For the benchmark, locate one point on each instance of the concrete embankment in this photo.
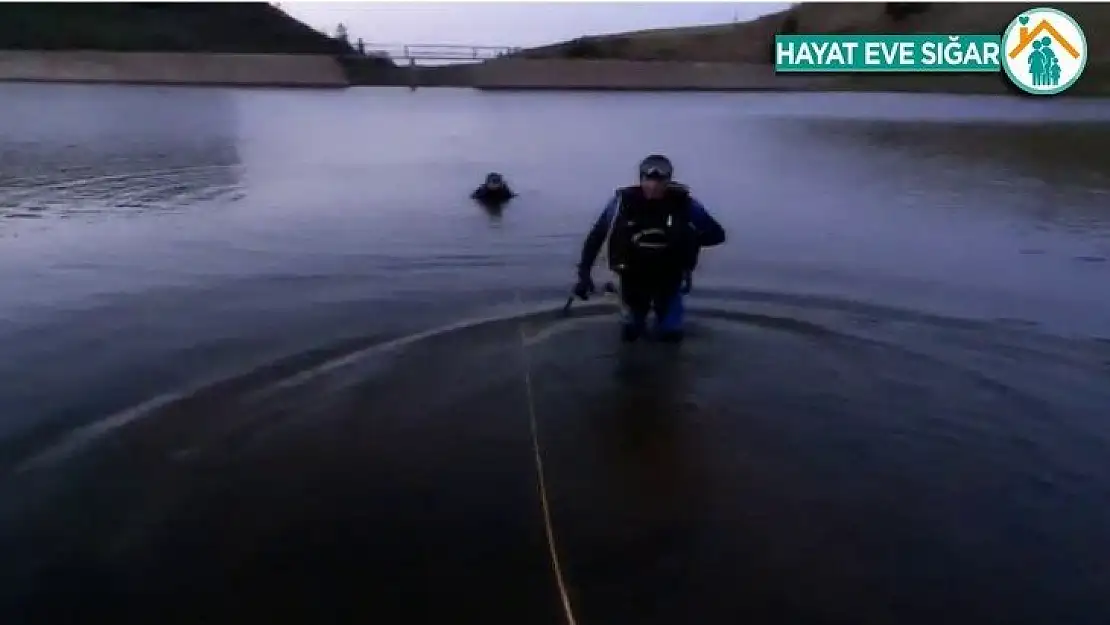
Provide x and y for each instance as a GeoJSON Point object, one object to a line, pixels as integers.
{"type": "Point", "coordinates": [636, 76]}
{"type": "Point", "coordinates": [620, 75]}
{"type": "Point", "coordinates": [172, 68]}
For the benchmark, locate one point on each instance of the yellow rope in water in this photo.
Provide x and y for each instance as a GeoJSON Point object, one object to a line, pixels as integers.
{"type": "Point", "coordinates": [564, 596]}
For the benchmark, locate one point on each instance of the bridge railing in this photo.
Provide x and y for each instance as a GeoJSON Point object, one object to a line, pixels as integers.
{"type": "Point", "coordinates": [436, 52]}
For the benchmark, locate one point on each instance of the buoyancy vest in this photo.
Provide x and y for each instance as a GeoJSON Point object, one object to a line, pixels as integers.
{"type": "Point", "coordinates": [655, 234]}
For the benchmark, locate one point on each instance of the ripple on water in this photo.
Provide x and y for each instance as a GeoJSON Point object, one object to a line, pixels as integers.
{"type": "Point", "coordinates": [137, 191]}
{"type": "Point", "coordinates": [826, 465]}
{"type": "Point", "coordinates": [118, 172]}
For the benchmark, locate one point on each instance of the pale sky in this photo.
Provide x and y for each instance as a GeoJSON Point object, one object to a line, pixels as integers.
{"type": "Point", "coordinates": [511, 23]}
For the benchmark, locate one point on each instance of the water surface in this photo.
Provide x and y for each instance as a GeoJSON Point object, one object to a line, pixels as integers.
{"type": "Point", "coordinates": [263, 360]}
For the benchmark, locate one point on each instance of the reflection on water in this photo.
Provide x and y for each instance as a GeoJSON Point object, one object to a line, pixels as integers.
{"type": "Point", "coordinates": [1057, 173]}
{"type": "Point", "coordinates": [291, 381]}
{"type": "Point", "coordinates": [118, 151]}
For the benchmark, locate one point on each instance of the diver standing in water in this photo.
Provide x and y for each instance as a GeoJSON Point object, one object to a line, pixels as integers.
{"type": "Point", "coordinates": [655, 232]}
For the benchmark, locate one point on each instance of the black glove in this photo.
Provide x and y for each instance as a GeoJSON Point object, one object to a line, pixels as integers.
{"type": "Point", "coordinates": [584, 287]}
{"type": "Point", "coordinates": [687, 283]}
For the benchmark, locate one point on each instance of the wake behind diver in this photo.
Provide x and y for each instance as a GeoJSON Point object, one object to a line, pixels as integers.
{"type": "Point", "coordinates": [655, 232]}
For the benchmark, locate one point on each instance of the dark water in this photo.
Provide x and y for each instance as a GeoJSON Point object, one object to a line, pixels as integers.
{"type": "Point", "coordinates": [263, 361]}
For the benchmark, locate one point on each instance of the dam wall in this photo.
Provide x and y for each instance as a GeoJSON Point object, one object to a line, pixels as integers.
{"type": "Point", "coordinates": [323, 71]}
{"type": "Point", "coordinates": [173, 68]}
{"type": "Point", "coordinates": [622, 75]}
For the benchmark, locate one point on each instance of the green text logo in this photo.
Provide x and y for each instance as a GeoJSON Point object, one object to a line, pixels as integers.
{"type": "Point", "coordinates": [887, 53]}
{"type": "Point", "coordinates": [1043, 52]}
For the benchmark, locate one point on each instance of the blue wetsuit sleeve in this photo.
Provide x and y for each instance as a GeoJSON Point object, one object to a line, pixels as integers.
{"type": "Point", "coordinates": [710, 232]}
{"type": "Point", "coordinates": [596, 238]}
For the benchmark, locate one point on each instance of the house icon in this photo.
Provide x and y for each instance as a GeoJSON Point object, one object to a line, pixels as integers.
{"type": "Point", "coordinates": [1033, 62]}
{"type": "Point", "coordinates": [1026, 37]}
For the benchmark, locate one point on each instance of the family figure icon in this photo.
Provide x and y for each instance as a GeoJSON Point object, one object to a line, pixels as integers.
{"type": "Point", "coordinates": [1046, 51]}
{"type": "Point", "coordinates": [1044, 67]}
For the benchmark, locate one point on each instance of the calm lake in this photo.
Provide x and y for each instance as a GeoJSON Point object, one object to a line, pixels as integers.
{"type": "Point", "coordinates": [264, 361]}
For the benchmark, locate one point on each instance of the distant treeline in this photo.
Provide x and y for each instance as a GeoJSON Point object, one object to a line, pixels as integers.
{"type": "Point", "coordinates": [249, 27]}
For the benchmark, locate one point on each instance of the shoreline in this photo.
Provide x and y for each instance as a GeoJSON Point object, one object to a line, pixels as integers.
{"type": "Point", "coordinates": [310, 71]}
{"type": "Point", "coordinates": [181, 83]}
{"type": "Point", "coordinates": [681, 76]}
{"type": "Point", "coordinates": [299, 71]}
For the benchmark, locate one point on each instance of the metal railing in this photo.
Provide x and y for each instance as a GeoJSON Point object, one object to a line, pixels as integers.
{"type": "Point", "coordinates": [435, 52]}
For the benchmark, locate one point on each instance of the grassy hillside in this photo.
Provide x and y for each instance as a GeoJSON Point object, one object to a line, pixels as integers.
{"type": "Point", "coordinates": [752, 42]}
{"type": "Point", "coordinates": [251, 27]}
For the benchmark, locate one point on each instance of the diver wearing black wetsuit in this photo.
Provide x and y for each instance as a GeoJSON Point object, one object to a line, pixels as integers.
{"type": "Point", "coordinates": [493, 191]}
{"type": "Point", "coordinates": [655, 231]}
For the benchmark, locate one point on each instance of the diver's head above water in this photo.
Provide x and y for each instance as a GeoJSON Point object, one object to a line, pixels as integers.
{"type": "Point", "coordinates": [494, 180]}
{"type": "Point", "coordinates": [493, 189]}
{"type": "Point", "coordinates": [656, 173]}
